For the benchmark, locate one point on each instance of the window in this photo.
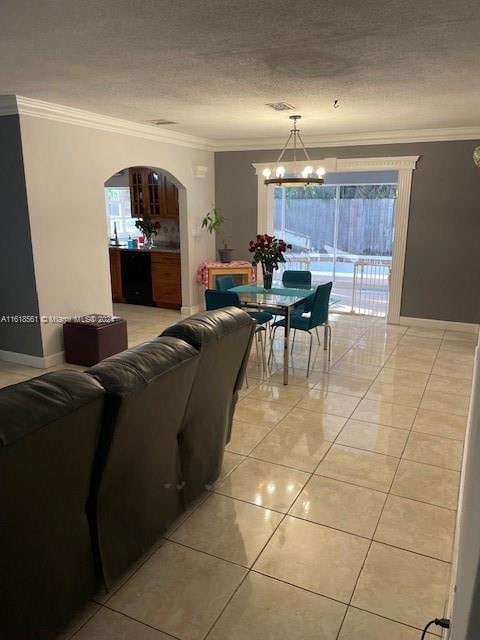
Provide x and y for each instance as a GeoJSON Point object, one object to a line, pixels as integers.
{"type": "Point", "coordinates": [117, 205]}
{"type": "Point", "coordinates": [342, 233]}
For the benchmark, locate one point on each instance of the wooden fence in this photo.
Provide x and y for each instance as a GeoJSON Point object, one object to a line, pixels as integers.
{"type": "Point", "coordinates": [365, 226]}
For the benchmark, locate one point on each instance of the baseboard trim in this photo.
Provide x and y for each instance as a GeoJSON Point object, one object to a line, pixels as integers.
{"type": "Point", "coordinates": [189, 311]}
{"type": "Point", "coordinates": [39, 362]}
{"type": "Point", "coordinates": [466, 327]}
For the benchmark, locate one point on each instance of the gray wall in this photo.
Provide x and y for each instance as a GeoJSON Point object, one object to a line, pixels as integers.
{"type": "Point", "coordinates": [442, 270]}
{"type": "Point", "coordinates": [18, 292]}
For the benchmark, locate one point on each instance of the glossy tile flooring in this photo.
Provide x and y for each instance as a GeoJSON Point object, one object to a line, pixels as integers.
{"type": "Point", "coordinates": [334, 516]}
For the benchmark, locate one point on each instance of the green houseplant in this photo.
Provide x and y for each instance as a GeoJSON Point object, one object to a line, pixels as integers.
{"type": "Point", "coordinates": [213, 222]}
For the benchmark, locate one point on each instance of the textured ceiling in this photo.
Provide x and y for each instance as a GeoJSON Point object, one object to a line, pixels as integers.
{"type": "Point", "coordinates": [211, 65]}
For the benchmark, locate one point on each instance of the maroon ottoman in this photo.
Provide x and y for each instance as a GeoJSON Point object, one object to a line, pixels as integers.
{"type": "Point", "coordinates": [92, 338]}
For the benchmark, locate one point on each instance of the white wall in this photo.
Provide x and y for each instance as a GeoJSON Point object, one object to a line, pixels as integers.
{"type": "Point", "coordinates": [465, 608]}
{"type": "Point", "coordinates": [66, 166]}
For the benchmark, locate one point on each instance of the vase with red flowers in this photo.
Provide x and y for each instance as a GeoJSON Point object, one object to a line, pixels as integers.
{"type": "Point", "coordinates": [149, 228]}
{"type": "Point", "coordinates": [268, 251]}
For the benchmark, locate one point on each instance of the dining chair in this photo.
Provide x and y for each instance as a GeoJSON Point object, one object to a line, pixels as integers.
{"type": "Point", "coordinates": [297, 279]}
{"type": "Point", "coordinates": [225, 282]}
{"type": "Point", "coordinates": [292, 278]}
{"type": "Point", "coordinates": [220, 299]}
{"type": "Point", "coordinates": [302, 319]}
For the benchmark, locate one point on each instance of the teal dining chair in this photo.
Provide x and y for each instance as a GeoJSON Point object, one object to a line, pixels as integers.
{"type": "Point", "coordinates": [311, 315]}
{"type": "Point", "coordinates": [224, 283]}
{"type": "Point", "coordinates": [297, 279]}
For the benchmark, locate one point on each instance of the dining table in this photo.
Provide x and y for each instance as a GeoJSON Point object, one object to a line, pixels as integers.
{"type": "Point", "coordinates": [279, 299]}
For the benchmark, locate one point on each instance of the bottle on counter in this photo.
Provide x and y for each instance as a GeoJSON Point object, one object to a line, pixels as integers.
{"type": "Point", "coordinates": [130, 242]}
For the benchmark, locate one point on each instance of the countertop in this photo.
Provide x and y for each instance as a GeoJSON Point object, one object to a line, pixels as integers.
{"type": "Point", "coordinates": [166, 249]}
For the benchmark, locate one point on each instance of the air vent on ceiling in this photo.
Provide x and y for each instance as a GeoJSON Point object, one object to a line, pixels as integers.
{"type": "Point", "coordinates": [280, 106]}
{"type": "Point", "coordinates": [161, 121]}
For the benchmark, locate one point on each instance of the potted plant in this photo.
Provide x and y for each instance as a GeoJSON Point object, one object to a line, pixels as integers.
{"type": "Point", "coordinates": [212, 222]}
{"type": "Point", "coordinates": [149, 228]}
{"type": "Point", "coordinates": [269, 251]}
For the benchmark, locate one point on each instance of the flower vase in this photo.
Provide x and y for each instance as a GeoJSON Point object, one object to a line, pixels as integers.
{"type": "Point", "coordinates": [147, 242]}
{"type": "Point", "coordinates": [267, 277]}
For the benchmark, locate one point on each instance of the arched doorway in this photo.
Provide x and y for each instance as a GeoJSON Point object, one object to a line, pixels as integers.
{"type": "Point", "coordinates": [145, 203]}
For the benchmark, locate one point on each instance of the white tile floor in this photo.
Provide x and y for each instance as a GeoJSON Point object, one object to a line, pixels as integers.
{"type": "Point", "coordinates": [335, 514]}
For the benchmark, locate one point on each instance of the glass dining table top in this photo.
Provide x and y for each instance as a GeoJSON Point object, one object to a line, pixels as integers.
{"type": "Point", "coordinates": [278, 296]}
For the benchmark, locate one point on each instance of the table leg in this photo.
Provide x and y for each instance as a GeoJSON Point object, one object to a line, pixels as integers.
{"type": "Point", "coordinates": [285, 345]}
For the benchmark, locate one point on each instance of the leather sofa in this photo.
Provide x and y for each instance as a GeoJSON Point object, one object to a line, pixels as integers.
{"type": "Point", "coordinates": [49, 429]}
{"type": "Point", "coordinates": [223, 339]}
{"type": "Point", "coordinates": [95, 466]}
{"type": "Point", "coordinates": [136, 490]}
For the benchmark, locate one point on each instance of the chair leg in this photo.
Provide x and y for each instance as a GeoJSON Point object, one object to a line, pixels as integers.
{"type": "Point", "coordinates": [293, 340]}
{"type": "Point", "coordinates": [262, 350]}
{"type": "Point", "coordinates": [309, 354]}
{"type": "Point", "coordinates": [329, 342]}
{"type": "Point", "coordinates": [318, 337]}
{"type": "Point", "coordinates": [325, 336]}
{"type": "Point", "coordinates": [272, 338]}
{"type": "Point", "coordinates": [256, 346]}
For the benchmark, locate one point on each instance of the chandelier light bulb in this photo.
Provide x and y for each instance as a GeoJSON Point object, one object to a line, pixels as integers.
{"type": "Point", "coordinates": [267, 172]}
{"type": "Point", "coordinates": [280, 172]}
{"type": "Point", "coordinates": [307, 171]}
{"type": "Point", "coordinates": [320, 172]}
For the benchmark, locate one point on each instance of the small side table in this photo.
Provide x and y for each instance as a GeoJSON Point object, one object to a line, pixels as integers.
{"type": "Point", "coordinates": [90, 339]}
{"type": "Point", "coordinates": [208, 271]}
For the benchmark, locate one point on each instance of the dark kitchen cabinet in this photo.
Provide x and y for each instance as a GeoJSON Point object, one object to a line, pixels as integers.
{"type": "Point", "coordinates": [166, 279]}
{"type": "Point", "coordinates": [116, 275]}
{"type": "Point", "coordinates": [171, 200]}
{"type": "Point", "coordinates": [138, 192]}
{"type": "Point", "coordinates": [152, 194]}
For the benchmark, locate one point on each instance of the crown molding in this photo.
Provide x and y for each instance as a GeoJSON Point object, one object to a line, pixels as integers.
{"type": "Point", "coordinates": [332, 165]}
{"type": "Point", "coordinates": [70, 115]}
{"type": "Point", "coordinates": [20, 105]}
{"type": "Point", "coordinates": [354, 139]}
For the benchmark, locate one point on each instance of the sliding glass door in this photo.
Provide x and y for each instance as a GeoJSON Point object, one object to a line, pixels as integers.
{"type": "Point", "coordinates": [341, 233]}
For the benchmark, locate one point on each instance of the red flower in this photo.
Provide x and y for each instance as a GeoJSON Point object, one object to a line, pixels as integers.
{"type": "Point", "coordinates": [268, 250]}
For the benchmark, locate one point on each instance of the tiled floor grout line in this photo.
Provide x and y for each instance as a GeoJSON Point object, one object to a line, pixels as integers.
{"type": "Point", "coordinates": [250, 569]}
{"type": "Point", "coordinates": [294, 501]}
{"type": "Point", "coordinates": [378, 520]}
{"type": "Point", "coordinates": [145, 624]}
{"type": "Point", "coordinates": [284, 516]}
{"type": "Point", "coordinates": [386, 500]}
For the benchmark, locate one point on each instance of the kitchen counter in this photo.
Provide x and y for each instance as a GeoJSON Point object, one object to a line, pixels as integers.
{"type": "Point", "coordinates": [165, 249]}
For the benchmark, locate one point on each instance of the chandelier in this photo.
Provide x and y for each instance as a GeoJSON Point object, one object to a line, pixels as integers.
{"type": "Point", "coordinates": [308, 174]}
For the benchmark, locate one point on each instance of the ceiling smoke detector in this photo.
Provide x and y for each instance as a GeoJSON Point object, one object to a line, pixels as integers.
{"type": "Point", "coordinates": [160, 121]}
{"type": "Point", "coordinates": [280, 106]}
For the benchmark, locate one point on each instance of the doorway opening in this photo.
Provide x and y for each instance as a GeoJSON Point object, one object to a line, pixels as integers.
{"type": "Point", "coordinates": [342, 231]}
{"type": "Point", "coordinates": [143, 236]}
